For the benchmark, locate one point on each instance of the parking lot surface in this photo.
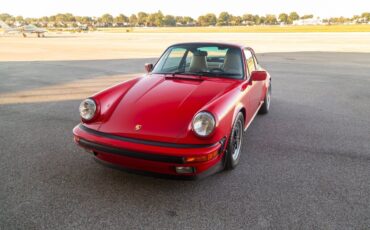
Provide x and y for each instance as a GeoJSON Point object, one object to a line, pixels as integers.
{"type": "Point", "coordinates": [305, 165]}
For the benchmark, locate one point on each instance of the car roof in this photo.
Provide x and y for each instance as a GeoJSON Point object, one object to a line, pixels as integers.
{"type": "Point", "coordinates": [210, 43]}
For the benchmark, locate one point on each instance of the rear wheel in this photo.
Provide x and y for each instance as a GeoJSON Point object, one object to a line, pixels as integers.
{"type": "Point", "coordinates": [266, 103]}
{"type": "Point", "coordinates": [234, 146]}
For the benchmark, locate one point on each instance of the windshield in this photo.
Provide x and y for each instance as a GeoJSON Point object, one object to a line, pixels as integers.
{"type": "Point", "coordinates": [203, 60]}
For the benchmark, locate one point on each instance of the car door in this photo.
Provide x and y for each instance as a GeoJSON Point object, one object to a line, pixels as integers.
{"type": "Point", "coordinates": [253, 96]}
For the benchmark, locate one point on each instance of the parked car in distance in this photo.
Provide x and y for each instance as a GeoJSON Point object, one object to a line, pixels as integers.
{"type": "Point", "coordinates": [186, 117]}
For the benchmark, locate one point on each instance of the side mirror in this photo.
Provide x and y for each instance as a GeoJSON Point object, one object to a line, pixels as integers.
{"type": "Point", "coordinates": [148, 67]}
{"type": "Point", "coordinates": [259, 75]}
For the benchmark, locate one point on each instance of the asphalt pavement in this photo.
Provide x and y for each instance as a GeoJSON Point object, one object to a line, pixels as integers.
{"type": "Point", "coordinates": [305, 165]}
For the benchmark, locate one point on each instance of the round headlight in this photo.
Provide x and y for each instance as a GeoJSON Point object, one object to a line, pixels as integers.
{"type": "Point", "coordinates": [87, 109]}
{"type": "Point", "coordinates": [203, 124]}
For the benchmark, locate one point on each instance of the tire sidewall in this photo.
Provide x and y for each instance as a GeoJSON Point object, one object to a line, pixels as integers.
{"type": "Point", "coordinates": [268, 98]}
{"type": "Point", "coordinates": [230, 162]}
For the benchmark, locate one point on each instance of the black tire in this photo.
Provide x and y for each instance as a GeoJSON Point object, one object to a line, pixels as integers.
{"type": "Point", "coordinates": [266, 103]}
{"type": "Point", "coordinates": [235, 144]}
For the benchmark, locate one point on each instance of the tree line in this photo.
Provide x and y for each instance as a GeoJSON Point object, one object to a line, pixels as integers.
{"type": "Point", "coordinates": [158, 19]}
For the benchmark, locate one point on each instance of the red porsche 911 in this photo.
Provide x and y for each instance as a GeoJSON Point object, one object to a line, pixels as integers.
{"type": "Point", "coordinates": [185, 117]}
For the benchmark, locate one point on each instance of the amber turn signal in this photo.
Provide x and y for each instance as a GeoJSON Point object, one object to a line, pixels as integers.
{"type": "Point", "coordinates": [201, 158]}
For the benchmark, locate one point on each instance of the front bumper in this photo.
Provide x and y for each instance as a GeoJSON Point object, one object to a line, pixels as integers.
{"type": "Point", "coordinates": [149, 156]}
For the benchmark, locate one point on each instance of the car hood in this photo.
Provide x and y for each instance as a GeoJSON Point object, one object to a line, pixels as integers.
{"type": "Point", "coordinates": [161, 108]}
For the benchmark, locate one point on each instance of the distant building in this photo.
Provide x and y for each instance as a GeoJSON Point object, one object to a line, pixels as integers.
{"type": "Point", "coordinates": [120, 24]}
{"type": "Point", "coordinates": [18, 24]}
{"type": "Point", "coordinates": [282, 24]}
{"type": "Point", "coordinates": [361, 21]}
{"type": "Point", "coordinates": [187, 24]}
{"type": "Point", "coordinates": [248, 23]}
{"type": "Point", "coordinates": [308, 21]}
{"type": "Point", "coordinates": [51, 24]}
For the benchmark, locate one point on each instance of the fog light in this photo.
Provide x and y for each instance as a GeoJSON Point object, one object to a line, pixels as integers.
{"type": "Point", "coordinates": [76, 139]}
{"type": "Point", "coordinates": [182, 170]}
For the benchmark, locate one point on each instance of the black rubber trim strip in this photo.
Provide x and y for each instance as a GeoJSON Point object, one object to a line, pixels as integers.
{"type": "Point", "coordinates": [145, 142]}
{"type": "Point", "coordinates": [129, 153]}
{"type": "Point", "coordinates": [215, 169]}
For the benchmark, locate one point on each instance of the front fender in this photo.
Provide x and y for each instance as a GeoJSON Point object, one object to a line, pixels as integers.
{"type": "Point", "coordinates": [108, 99]}
{"type": "Point", "coordinates": [225, 110]}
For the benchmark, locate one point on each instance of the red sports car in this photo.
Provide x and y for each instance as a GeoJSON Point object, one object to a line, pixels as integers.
{"type": "Point", "coordinates": [185, 117]}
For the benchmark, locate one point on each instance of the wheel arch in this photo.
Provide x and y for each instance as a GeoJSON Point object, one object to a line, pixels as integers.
{"type": "Point", "coordinates": [239, 108]}
{"type": "Point", "coordinates": [244, 112]}
{"type": "Point", "coordinates": [228, 163]}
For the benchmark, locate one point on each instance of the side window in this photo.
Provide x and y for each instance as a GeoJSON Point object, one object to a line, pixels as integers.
{"type": "Point", "coordinates": [173, 59]}
{"type": "Point", "coordinates": [250, 62]}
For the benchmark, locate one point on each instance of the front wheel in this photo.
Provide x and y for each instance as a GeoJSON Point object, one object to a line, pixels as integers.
{"type": "Point", "coordinates": [266, 103]}
{"type": "Point", "coordinates": [234, 146]}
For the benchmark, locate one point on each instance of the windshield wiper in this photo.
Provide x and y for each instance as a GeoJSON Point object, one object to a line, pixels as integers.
{"type": "Point", "coordinates": [200, 73]}
{"type": "Point", "coordinates": [218, 74]}
{"type": "Point", "coordinates": [178, 73]}
{"type": "Point", "coordinates": [187, 73]}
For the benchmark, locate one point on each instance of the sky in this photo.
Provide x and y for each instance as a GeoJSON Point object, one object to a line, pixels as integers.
{"type": "Point", "coordinates": [193, 8]}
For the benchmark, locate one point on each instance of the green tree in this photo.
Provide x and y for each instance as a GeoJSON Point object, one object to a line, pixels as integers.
{"type": "Point", "coordinates": [212, 19]}
{"type": "Point", "coordinates": [366, 16]}
{"type": "Point", "coordinates": [235, 20]}
{"type": "Point", "coordinates": [142, 18]}
{"type": "Point", "coordinates": [283, 17]}
{"type": "Point", "coordinates": [158, 18]}
{"type": "Point", "coordinates": [184, 20]}
{"type": "Point", "coordinates": [44, 19]}
{"type": "Point", "coordinates": [30, 21]}
{"type": "Point", "coordinates": [6, 17]}
{"type": "Point", "coordinates": [263, 20]}
{"type": "Point", "coordinates": [169, 20]}
{"type": "Point", "coordinates": [133, 20]}
{"type": "Point", "coordinates": [70, 17]}
{"type": "Point", "coordinates": [120, 19]}
{"type": "Point", "coordinates": [107, 19]}
{"type": "Point", "coordinates": [339, 20]}
{"type": "Point", "coordinates": [86, 20]}
{"type": "Point", "coordinates": [19, 19]}
{"type": "Point", "coordinates": [202, 21]}
{"type": "Point", "coordinates": [180, 20]}
{"type": "Point", "coordinates": [307, 16]}
{"type": "Point", "coordinates": [61, 18]}
{"type": "Point", "coordinates": [188, 20]}
{"type": "Point", "coordinates": [155, 19]}
{"type": "Point", "coordinates": [223, 19]}
{"type": "Point", "coordinates": [248, 19]}
{"type": "Point", "coordinates": [271, 19]}
{"type": "Point", "coordinates": [257, 19]}
{"type": "Point", "coordinates": [207, 20]}
{"type": "Point", "coordinates": [293, 16]}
